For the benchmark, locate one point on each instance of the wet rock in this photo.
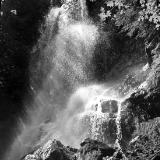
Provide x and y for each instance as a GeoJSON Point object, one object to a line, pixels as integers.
{"type": "Point", "coordinates": [94, 150]}
{"type": "Point", "coordinates": [110, 106]}
{"type": "Point", "coordinates": [142, 105]}
{"type": "Point", "coordinates": [110, 131]}
{"type": "Point", "coordinates": [146, 140]}
{"type": "Point", "coordinates": [156, 157]}
{"type": "Point", "coordinates": [143, 148]}
{"type": "Point", "coordinates": [118, 156]}
{"type": "Point", "coordinates": [129, 83]}
{"type": "Point", "coordinates": [52, 150]}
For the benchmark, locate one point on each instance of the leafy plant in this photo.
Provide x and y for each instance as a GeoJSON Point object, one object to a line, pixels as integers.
{"type": "Point", "coordinates": [136, 17]}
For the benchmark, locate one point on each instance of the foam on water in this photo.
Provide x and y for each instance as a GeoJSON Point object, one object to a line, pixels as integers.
{"type": "Point", "coordinates": [83, 116]}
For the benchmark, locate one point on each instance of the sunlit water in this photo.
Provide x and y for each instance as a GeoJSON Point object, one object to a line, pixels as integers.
{"type": "Point", "coordinates": [69, 107]}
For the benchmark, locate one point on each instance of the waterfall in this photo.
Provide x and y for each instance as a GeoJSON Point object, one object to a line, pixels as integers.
{"type": "Point", "coordinates": [70, 105]}
{"type": "Point", "coordinates": [78, 9]}
{"type": "Point", "coordinates": [65, 51]}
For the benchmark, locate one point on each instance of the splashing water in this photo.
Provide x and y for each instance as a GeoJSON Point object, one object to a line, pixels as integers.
{"type": "Point", "coordinates": [66, 47]}
{"type": "Point", "coordinates": [69, 107]}
{"type": "Point", "coordinates": [84, 116]}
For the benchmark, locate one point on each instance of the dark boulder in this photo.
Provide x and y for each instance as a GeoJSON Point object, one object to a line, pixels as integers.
{"type": "Point", "coordinates": [52, 150]}
{"type": "Point", "coordinates": [110, 106]}
{"type": "Point", "coordinates": [94, 150]}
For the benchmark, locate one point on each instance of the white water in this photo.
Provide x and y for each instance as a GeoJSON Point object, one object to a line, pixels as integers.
{"type": "Point", "coordinates": [68, 107]}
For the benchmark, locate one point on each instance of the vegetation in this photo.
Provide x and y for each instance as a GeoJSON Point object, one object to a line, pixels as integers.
{"type": "Point", "coordinates": [137, 18]}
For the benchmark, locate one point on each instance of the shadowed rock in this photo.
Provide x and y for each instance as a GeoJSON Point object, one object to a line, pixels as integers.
{"type": "Point", "coordinates": [52, 150]}
{"type": "Point", "coordinates": [94, 150]}
{"type": "Point", "coordinates": [110, 106]}
{"type": "Point", "coordinates": [142, 105]}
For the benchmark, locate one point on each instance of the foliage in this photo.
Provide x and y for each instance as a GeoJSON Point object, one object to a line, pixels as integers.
{"type": "Point", "coordinates": [134, 16]}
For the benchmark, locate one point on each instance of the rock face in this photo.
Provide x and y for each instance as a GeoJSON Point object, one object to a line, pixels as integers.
{"type": "Point", "coordinates": [52, 150]}
{"type": "Point", "coordinates": [110, 106]}
{"type": "Point", "coordinates": [146, 143]}
{"type": "Point", "coordinates": [110, 131]}
{"type": "Point", "coordinates": [142, 106]}
{"type": "Point", "coordinates": [94, 150]}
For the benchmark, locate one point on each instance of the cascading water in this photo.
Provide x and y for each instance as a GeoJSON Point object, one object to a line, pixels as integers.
{"type": "Point", "coordinates": [69, 107]}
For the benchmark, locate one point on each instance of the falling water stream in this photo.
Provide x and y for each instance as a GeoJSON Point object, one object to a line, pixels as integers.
{"type": "Point", "coordinates": [70, 106]}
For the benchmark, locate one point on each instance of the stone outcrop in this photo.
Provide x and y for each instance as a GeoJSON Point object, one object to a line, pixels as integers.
{"type": "Point", "coordinates": [89, 150]}
{"type": "Point", "coordinates": [143, 105]}
{"type": "Point", "coordinates": [94, 150]}
{"type": "Point", "coordinates": [52, 150]}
